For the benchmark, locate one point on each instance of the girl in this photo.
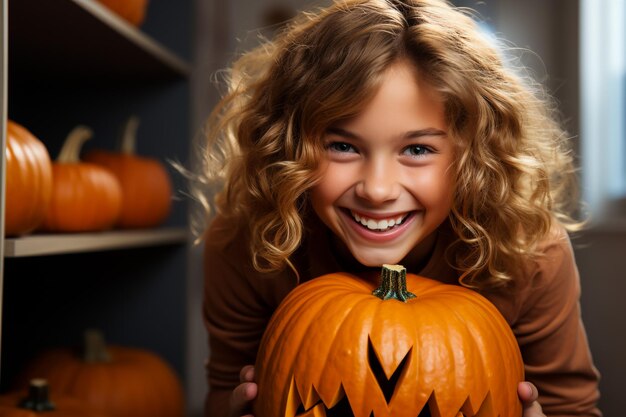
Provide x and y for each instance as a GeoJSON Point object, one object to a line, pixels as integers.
{"type": "Point", "coordinates": [390, 131]}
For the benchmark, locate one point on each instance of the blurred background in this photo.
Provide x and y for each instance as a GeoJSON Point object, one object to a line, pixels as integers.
{"type": "Point", "coordinates": [151, 296]}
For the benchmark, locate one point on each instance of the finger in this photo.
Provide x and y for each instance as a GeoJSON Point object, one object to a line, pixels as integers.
{"type": "Point", "coordinates": [527, 392]}
{"type": "Point", "coordinates": [241, 397]}
{"type": "Point", "coordinates": [533, 410]}
{"type": "Point", "coordinates": [246, 374]}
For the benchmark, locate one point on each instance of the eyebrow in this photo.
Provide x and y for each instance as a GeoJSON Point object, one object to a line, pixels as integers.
{"type": "Point", "coordinates": [412, 134]}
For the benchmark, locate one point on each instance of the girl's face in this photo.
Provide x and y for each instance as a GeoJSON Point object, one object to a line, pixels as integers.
{"type": "Point", "coordinates": [386, 179]}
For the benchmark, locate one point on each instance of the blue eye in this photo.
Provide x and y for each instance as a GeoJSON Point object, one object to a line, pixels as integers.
{"type": "Point", "coordinates": [341, 147]}
{"type": "Point", "coordinates": [416, 150]}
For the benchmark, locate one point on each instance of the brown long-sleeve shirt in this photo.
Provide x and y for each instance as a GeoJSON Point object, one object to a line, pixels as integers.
{"type": "Point", "coordinates": [542, 309]}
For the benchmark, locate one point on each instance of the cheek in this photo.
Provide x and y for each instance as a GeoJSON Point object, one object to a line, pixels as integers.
{"type": "Point", "coordinates": [446, 188]}
{"type": "Point", "coordinates": [333, 183]}
{"type": "Point", "coordinates": [322, 197]}
{"type": "Point", "coordinates": [433, 188]}
{"type": "Point", "coordinates": [318, 199]}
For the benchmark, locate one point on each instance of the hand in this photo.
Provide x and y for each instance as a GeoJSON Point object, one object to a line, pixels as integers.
{"type": "Point", "coordinates": [244, 393]}
{"type": "Point", "coordinates": [528, 394]}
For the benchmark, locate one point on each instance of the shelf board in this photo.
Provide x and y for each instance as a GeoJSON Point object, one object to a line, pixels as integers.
{"type": "Point", "coordinates": [72, 39]}
{"type": "Point", "coordinates": [56, 244]}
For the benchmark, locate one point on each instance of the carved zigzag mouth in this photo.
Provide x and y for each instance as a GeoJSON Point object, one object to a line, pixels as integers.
{"type": "Point", "coordinates": [343, 407]}
{"type": "Point", "coordinates": [388, 387]}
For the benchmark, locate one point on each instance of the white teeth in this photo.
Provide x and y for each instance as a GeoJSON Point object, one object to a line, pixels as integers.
{"type": "Point", "coordinates": [381, 225]}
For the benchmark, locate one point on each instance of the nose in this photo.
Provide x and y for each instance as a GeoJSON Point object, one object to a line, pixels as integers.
{"type": "Point", "coordinates": [379, 182]}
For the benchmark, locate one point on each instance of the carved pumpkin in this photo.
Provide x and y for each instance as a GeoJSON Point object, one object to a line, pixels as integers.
{"type": "Point", "coordinates": [116, 380]}
{"type": "Point", "coordinates": [335, 348]}
{"type": "Point", "coordinates": [85, 197]}
{"type": "Point", "coordinates": [146, 185]}
{"type": "Point", "coordinates": [36, 403]}
{"type": "Point", "coordinates": [28, 180]}
{"type": "Point", "coordinates": [133, 11]}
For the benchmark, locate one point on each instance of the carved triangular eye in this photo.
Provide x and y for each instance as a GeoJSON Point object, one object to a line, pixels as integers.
{"type": "Point", "coordinates": [387, 386]}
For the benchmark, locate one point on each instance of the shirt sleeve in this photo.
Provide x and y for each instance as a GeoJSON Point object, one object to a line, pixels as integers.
{"type": "Point", "coordinates": [235, 317]}
{"type": "Point", "coordinates": [238, 303]}
{"type": "Point", "coordinates": [552, 337]}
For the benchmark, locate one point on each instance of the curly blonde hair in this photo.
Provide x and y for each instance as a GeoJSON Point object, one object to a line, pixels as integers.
{"type": "Point", "coordinates": [514, 172]}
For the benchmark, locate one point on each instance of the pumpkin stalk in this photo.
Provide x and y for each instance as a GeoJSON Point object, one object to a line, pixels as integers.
{"type": "Point", "coordinates": [37, 399]}
{"type": "Point", "coordinates": [393, 284]}
{"type": "Point", "coordinates": [95, 349]}
{"type": "Point", "coordinates": [70, 152]}
{"type": "Point", "coordinates": [129, 136]}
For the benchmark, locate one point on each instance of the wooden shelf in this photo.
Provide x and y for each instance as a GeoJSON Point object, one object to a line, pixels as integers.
{"type": "Point", "coordinates": [71, 39]}
{"type": "Point", "coordinates": [68, 62]}
{"type": "Point", "coordinates": [56, 244]}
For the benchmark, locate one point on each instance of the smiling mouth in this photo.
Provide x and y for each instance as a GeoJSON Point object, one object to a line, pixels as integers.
{"type": "Point", "coordinates": [379, 225]}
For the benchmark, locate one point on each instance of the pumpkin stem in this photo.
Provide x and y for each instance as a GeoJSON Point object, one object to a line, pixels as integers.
{"type": "Point", "coordinates": [94, 347]}
{"type": "Point", "coordinates": [37, 399]}
{"type": "Point", "coordinates": [129, 136]}
{"type": "Point", "coordinates": [70, 152]}
{"type": "Point", "coordinates": [393, 284]}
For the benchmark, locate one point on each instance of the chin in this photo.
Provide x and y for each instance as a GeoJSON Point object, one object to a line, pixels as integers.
{"type": "Point", "coordinates": [376, 259]}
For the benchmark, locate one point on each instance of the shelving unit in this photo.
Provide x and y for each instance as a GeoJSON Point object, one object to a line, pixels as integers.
{"type": "Point", "coordinates": [79, 41]}
{"type": "Point", "coordinates": [57, 244]}
{"type": "Point", "coordinates": [69, 62]}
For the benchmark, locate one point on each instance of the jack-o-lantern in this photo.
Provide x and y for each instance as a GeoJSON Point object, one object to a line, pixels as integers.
{"type": "Point", "coordinates": [339, 346]}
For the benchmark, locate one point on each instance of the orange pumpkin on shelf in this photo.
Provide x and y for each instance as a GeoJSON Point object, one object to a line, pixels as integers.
{"type": "Point", "coordinates": [85, 196]}
{"type": "Point", "coordinates": [133, 11]}
{"type": "Point", "coordinates": [339, 346]}
{"type": "Point", "coordinates": [28, 181]}
{"type": "Point", "coordinates": [146, 185]}
{"type": "Point", "coordinates": [35, 402]}
{"type": "Point", "coordinates": [117, 380]}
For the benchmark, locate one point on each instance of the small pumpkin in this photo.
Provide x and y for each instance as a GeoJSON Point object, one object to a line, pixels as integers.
{"type": "Point", "coordinates": [28, 180]}
{"type": "Point", "coordinates": [339, 346]}
{"type": "Point", "coordinates": [37, 403]}
{"type": "Point", "coordinates": [146, 185]}
{"type": "Point", "coordinates": [117, 380]}
{"type": "Point", "coordinates": [85, 196]}
{"type": "Point", "coordinates": [133, 11]}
